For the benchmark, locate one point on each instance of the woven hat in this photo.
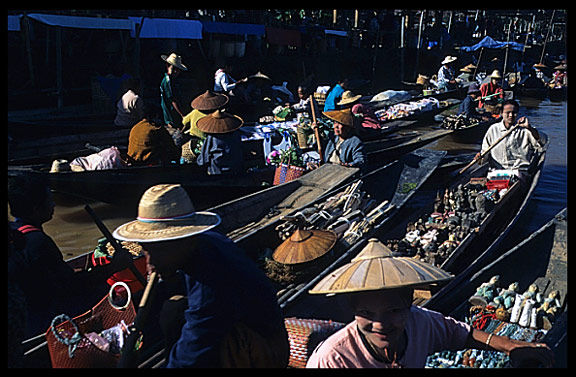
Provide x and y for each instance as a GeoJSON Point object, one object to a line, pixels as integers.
{"type": "Point", "coordinates": [219, 122]}
{"type": "Point", "coordinates": [344, 117]}
{"type": "Point", "coordinates": [304, 246]}
{"type": "Point", "coordinates": [165, 212]}
{"type": "Point", "coordinates": [540, 65]}
{"type": "Point", "coordinates": [259, 75]}
{"type": "Point", "coordinates": [422, 79]}
{"type": "Point", "coordinates": [449, 59]}
{"type": "Point", "coordinates": [496, 74]}
{"type": "Point", "coordinates": [59, 165]}
{"type": "Point", "coordinates": [209, 101]}
{"type": "Point", "coordinates": [561, 67]}
{"type": "Point", "coordinates": [348, 97]}
{"type": "Point", "coordinates": [375, 268]}
{"type": "Point", "coordinates": [175, 60]}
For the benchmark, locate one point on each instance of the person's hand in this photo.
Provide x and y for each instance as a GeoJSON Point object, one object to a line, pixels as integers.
{"type": "Point", "coordinates": [121, 260]}
{"type": "Point", "coordinates": [311, 165]}
{"type": "Point", "coordinates": [523, 122]}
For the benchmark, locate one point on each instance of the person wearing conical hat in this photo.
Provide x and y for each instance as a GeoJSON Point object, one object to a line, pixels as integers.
{"type": "Point", "coordinates": [343, 147]}
{"type": "Point", "coordinates": [230, 313]}
{"type": "Point", "coordinates": [447, 74]}
{"type": "Point", "coordinates": [387, 330]}
{"type": "Point", "coordinates": [492, 88]}
{"type": "Point", "coordinates": [366, 116]}
{"type": "Point", "coordinates": [560, 76]}
{"type": "Point", "coordinates": [222, 148]}
{"type": "Point", "coordinates": [204, 104]}
{"type": "Point", "coordinates": [170, 99]}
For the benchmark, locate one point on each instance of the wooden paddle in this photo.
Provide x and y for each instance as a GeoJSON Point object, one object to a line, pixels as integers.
{"type": "Point", "coordinates": [316, 130]}
{"type": "Point", "coordinates": [484, 153]}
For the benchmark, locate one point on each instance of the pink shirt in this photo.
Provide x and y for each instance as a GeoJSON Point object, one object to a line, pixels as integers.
{"type": "Point", "coordinates": [428, 332]}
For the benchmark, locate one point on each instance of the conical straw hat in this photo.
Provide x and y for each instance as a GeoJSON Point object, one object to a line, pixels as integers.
{"type": "Point", "coordinates": [209, 101]}
{"type": "Point", "coordinates": [344, 117]}
{"type": "Point", "coordinates": [304, 246]}
{"type": "Point", "coordinates": [375, 268]}
{"type": "Point", "coordinates": [219, 122]}
{"type": "Point", "coordinates": [349, 97]}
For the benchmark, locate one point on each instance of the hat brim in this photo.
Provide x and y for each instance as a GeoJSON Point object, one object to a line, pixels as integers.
{"type": "Point", "coordinates": [140, 231]}
{"type": "Point", "coordinates": [179, 66]}
{"type": "Point", "coordinates": [349, 100]}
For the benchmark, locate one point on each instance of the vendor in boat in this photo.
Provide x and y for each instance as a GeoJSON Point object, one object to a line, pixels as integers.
{"type": "Point", "coordinates": [170, 97]}
{"type": "Point", "coordinates": [222, 149]}
{"type": "Point", "coordinates": [388, 331]}
{"type": "Point", "coordinates": [517, 150]}
{"type": "Point", "coordinates": [343, 146]}
{"type": "Point", "coordinates": [468, 107]}
{"type": "Point", "coordinates": [302, 108]}
{"type": "Point", "coordinates": [447, 74]}
{"type": "Point", "coordinates": [560, 77]}
{"type": "Point", "coordinates": [232, 317]}
{"type": "Point", "coordinates": [367, 119]}
{"type": "Point", "coordinates": [335, 94]}
{"type": "Point", "coordinates": [492, 89]}
{"type": "Point", "coordinates": [49, 285]}
{"type": "Point", "coordinates": [150, 143]}
{"type": "Point", "coordinates": [130, 107]}
{"type": "Point", "coordinates": [224, 83]}
{"type": "Point", "coordinates": [203, 105]}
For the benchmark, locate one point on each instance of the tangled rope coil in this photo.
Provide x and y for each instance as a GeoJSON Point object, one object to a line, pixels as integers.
{"type": "Point", "coordinates": [72, 342]}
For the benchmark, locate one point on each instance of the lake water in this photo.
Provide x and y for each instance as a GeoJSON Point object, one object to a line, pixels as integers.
{"type": "Point", "coordinates": [75, 233]}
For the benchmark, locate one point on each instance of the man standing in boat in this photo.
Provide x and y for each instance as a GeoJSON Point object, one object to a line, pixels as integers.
{"type": "Point", "coordinates": [515, 152]}
{"type": "Point", "coordinates": [169, 93]}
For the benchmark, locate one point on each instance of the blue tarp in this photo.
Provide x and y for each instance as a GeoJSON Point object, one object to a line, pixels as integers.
{"type": "Point", "coordinates": [168, 28]}
{"type": "Point", "coordinates": [14, 22]}
{"type": "Point", "coordinates": [83, 22]}
{"type": "Point", "coordinates": [488, 42]}
{"type": "Point", "coordinates": [233, 28]}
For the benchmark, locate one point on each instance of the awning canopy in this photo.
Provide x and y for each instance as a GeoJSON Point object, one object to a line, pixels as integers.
{"type": "Point", "coordinates": [488, 42]}
{"type": "Point", "coordinates": [14, 22]}
{"type": "Point", "coordinates": [83, 22]}
{"type": "Point", "coordinates": [233, 28]}
{"type": "Point", "coordinates": [167, 28]}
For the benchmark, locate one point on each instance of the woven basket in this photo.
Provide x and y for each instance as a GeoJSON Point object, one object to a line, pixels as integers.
{"type": "Point", "coordinates": [287, 173]}
{"type": "Point", "coordinates": [305, 335]}
{"type": "Point", "coordinates": [100, 317]}
{"type": "Point", "coordinates": [320, 98]}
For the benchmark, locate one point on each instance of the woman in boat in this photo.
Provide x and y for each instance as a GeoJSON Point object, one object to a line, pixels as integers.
{"type": "Point", "coordinates": [367, 119]}
{"type": "Point", "coordinates": [468, 107]}
{"type": "Point", "coordinates": [50, 286]}
{"type": "Point", "coordinates": [516, 151]}
{"type": "Point", "coordinates": [222, 149]}
{"type": "Point", "coordinates": [150, 143]}
{"type": "Point", "coordinates": [343, 147]}
{"type": "Point", "coordinates": [493, 89]}
{"type": "Point", "coordinates": [387, 330]}
{"type": "Point", "coordinates": [232, 317]}
{"type": "Point", "coordinates": [447, 74]}
{"type": "Point", "coordinates": [130, 108]}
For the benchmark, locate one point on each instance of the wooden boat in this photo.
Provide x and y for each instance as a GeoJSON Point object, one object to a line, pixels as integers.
{"type": "Point", "coordinates": [543, 260]}
{"type": "Point", "coordinates": [261, 212]}
{"type": "Point", "coordinates": [558, 93]}
{"type": "Point", "coordinates": [470, 132]}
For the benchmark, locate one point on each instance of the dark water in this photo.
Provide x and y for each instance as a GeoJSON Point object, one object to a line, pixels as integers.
{"type": "Point", "coordinates": [75, 233]}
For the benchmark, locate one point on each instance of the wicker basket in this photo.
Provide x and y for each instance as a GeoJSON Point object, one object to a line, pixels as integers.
{"type": "Point", "coordinates": [287, 173]}
{"type": "Point", "coordinates": [320, 98]}
{"type": "Point", "coordinates": [304, 335]}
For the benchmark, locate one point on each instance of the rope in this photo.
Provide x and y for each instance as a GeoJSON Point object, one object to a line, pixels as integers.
{"type": "Point", "coordinates": [72, 342]}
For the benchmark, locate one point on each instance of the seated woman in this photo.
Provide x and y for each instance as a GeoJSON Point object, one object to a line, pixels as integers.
{"type": "Point", "coordinates": [222, 149]}
{"type": "Point", "coordinates": [343, 147]}
{"type": "Point", "coordinates": [368, 121]}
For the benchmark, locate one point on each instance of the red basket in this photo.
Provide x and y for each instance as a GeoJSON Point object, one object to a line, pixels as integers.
{"type": "Point", "coordinates": [287, 173]}
{"type": "Point", "coordinates": [86, 355]}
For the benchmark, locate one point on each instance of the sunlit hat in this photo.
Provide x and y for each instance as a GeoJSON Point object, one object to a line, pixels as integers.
{"type": "Point", "coordinates": [175, 60]}
{"type": "Point", "coordinates": [561, 67]}
{"type": "Point", "coordinates": [375, 268]}
{"type": "Point", "coordinates": [540, 65]}
{"type": "Point", "coordinates": [259, 75]}
{"type": "Point", "coordinates": [219, 122]}
{"type": "Point", "coordinates": [422, 79]}
{"type": "Point", "coordinates": [304, 246]}
{"type": "Point", "coordinates": [165, 212]}
{"type": "Point", "coordinates": [348, 97]}
{"type": "Point", "coordinates": [344, 117]}
{"type": "Point", "coordinates": [209, 101]}
{"type": "Point", "coordinates": [449, 59]}
{"type": "Point", "coordinates": [496, 74]}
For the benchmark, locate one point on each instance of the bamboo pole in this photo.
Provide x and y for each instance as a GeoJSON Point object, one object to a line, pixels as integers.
{"type": "Point", "coordinates": [547, 34]}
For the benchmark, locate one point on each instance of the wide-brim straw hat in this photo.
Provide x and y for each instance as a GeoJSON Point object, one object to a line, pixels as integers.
{"type": "Point", "coordinates": [348, 97]}
{"type": "Point", "coordinates": [219, 122]}
{"type": "Point", "coordinates": [540, 65]}
{"type": "Point", "coordinates": [175, 60]}
{"type": "Point", "coordinates": [209, 101]}
{"type": "Point", "coordinates": [259, 75]}
{"type": "Point", "coordinates": [560, 67]}
{"type": "Point", "coordinates": [449, 59]}
{"type": "Point", "coordinates": [344, 117]}
{"type": "Point", "coordinates": [496, 74]}
{"type": "Point", "coordinates": [305, 246]}
{"type": "Point", "coordinates": [165, 212]}
{"type": "Point", "coordinates": [375, 268]}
